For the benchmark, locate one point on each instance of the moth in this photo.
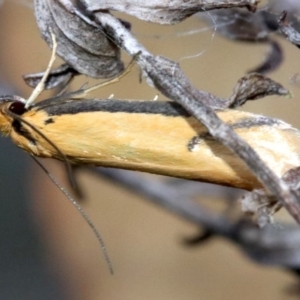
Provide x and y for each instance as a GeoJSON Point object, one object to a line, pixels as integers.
{"type": "Point", "coordinates": [156, 137]}
{"type": "Point", "coordinates": [150, 136]}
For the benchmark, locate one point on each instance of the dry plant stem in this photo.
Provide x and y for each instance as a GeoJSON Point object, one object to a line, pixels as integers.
{"type": "Point", "coordinates": [288, 31]}
{"type": "Point", "coordinates": [272, 245]}
{"type": "Point", "coordinates": [169, 80]}
{"type": "Point", "coordinates": [170, 198]}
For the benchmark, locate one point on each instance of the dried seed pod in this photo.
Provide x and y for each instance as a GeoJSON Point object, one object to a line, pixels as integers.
{"type": "Point", "coordinates": [81, 42]}
{"type": "Point", "coordinates": [254, 86]}
{"type": "Point", "coordinates": [61, 76]}
{"type": "Point", "coordinates": [165, 11]}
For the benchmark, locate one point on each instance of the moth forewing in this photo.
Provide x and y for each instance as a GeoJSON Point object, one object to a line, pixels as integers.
{"type": "Point", "coordinates": [155, 137]}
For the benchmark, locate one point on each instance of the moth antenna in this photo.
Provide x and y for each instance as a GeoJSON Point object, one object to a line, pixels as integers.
{"type": "Point", "coordinates": [64, 158]}
{"type": "Point", "coordinates": [41, 85]}
{"type": "Point", "coordinates": [81, 211]}
{"type": "Point", "coordinates": [63, 190]}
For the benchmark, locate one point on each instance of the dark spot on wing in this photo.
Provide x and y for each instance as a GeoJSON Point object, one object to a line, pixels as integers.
{"type": "Point", "coordinates": [49, 121]}
{"type": "Point", "coordinates": [254, 121]}
{"type": "Point", "coordinates": [196, 140]}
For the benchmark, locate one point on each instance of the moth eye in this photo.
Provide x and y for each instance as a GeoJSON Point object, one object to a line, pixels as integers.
{"type": "Point", "coordinates": [17, 108]}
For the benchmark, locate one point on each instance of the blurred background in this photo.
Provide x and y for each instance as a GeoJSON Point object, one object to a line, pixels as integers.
{"type": "Point", "coordinates": [46, 249]}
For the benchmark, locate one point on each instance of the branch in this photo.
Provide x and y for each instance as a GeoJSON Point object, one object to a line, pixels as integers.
{"type": "Point", "coordinates": [165, 11]}
{"type": "Point", "coordinates": [273, 245]}
{"type": "Point", "coordinates": [170, 81]}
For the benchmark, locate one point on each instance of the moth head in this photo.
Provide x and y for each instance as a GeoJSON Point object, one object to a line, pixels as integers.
{"type": "Point", "coordinates": [10, 106]}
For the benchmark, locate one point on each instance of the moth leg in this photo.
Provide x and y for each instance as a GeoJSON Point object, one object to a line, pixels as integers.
{"type": "Point", "coordinates": [41, 85]}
